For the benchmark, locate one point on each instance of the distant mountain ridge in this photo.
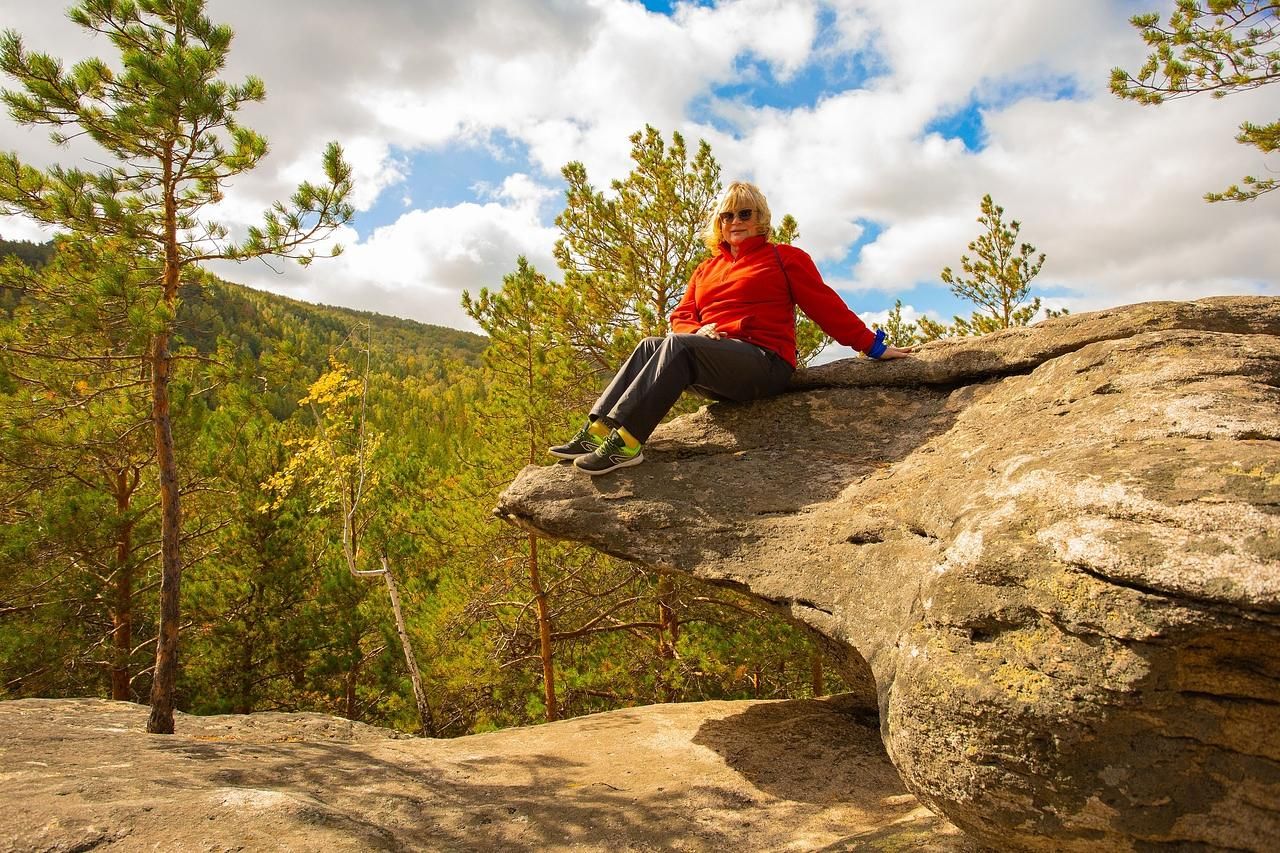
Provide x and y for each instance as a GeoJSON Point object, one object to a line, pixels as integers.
{"type": "Point", "coordinates": [223, 308]}
{"type": "Point", "coordinates": [251, 317]}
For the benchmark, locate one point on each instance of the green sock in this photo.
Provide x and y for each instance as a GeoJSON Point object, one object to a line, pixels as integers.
{"type": "Point", "coordinates": [598, 428]}
{"type": "Point", "coordinates": [628, 439]}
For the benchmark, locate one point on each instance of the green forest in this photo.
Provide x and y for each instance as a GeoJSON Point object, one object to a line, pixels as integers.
{"type": "Point", "coordinates": [267, 417]}
{"type": "Point", "coordinates": [222, 501]}
{"type": "Point", "coordinates": [218, 500]}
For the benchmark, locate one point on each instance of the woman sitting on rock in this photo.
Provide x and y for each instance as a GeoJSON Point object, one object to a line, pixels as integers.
{"type": "Point", "coordinates": [733, 335]}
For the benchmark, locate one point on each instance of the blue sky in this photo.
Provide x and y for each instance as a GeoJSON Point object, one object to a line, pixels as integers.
{"type": "Point", "coordinates": [445, 176]}
{"type": "Point", "coordinates": [879, 125]}
{"type": "Point", "coordinates": [467, 171]}
{"type": "Point", "coordinates": [660, 8]}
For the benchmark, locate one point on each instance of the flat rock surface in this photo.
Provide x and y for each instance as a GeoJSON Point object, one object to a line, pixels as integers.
{"type": "Point", "coordinates": [80, 774]}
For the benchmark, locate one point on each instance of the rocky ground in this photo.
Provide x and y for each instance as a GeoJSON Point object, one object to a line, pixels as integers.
{"type": "Point", "coordinates": [82, 774]}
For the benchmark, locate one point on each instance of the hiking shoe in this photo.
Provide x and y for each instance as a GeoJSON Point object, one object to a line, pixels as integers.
{"type": "Point", "coordinates": [580, 445]}
{"type": "Point", "coordinates": [610, 456]}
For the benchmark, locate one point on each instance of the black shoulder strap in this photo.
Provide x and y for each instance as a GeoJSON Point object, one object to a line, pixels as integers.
{"type": "Point", "coordinates": [783, 267]}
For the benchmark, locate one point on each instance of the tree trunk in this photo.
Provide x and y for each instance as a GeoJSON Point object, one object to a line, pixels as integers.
{"type": "Point", "coordinates": [122, 634]}
{"type": "Point", "coordinates": [122, 603]}
{"type": "Point", "coordinates": [815, 662]}
{"type": "Point", "coordinates": [122, 621]}
{"type": "Point", "coordinates": [242, 700]}
{"type": "Point", "coordinates": [667, 617]}
{"type": "Point", "coordinates": [544, 632]}
{"type": "Point", "coordinates": [353, 675]}
{"type": "Point", "coordinates": [426, 721]}
{"type": "Point", "coordinates": [166, 671]}
{"type": "Point", "coordinates": [668, 632]}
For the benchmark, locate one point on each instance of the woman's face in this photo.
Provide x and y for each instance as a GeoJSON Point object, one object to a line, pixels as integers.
{"type": "Point", "coordinates": [735, 228]}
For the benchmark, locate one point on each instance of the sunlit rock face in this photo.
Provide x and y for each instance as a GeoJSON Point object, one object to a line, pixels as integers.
{"type": "Point", "coordinates": [1052, 553]}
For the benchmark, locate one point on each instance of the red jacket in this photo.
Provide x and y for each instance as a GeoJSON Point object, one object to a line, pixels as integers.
{"type": "Point", "coordinates": [747, 298]}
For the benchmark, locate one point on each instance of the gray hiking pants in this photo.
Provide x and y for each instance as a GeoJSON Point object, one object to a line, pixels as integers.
{"type": "Point", "coordinates": [659, 369]}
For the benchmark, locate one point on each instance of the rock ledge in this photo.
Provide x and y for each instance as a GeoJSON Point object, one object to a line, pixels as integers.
{"type": "Point", "coordinates": [1051, 554]}
{"type": "Point", "coordinates": [80, 774]}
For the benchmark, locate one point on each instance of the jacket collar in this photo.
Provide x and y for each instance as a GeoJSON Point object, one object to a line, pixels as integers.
{"type": "Point", "coordinates": [749, 245]}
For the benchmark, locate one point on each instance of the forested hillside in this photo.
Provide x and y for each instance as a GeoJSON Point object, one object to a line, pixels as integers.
{"type": "Point", "coordinates": [267, 616]}
{"type": "Point", "coordinates": [255, 320]}
{"type": "Point", "coordinates": [221, 500]}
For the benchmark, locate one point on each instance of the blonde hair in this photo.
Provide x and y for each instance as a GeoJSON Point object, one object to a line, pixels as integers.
{"type": "Point", "coordinates": [738, 195]}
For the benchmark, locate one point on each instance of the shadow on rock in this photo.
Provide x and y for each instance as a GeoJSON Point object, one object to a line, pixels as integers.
{"type": "Point", "coordinates": [823, 752]}
{"type": "Point", "coordinates": [837, 740]}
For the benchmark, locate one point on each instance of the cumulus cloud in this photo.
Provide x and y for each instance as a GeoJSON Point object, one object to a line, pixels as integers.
{"type": "Point", "coordinates": [1110, 190]}
{"type": "Point", "coordinates": [418, 266]}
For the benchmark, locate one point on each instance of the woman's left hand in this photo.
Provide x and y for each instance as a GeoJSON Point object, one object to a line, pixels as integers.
{"type": "Point", "coordinates": [709, 331]}
{"type": "Point", "coordinates": [895, 352]}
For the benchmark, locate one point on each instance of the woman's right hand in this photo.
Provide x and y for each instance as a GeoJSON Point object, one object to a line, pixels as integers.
{"type": "Point", "coordinates": [709, 331]}
{"type": "Point", "coordinates": [895, 352]}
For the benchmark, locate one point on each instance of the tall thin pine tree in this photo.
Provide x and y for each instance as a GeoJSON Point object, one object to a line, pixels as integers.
{"type": "Point", "coordinates": [168, 123]}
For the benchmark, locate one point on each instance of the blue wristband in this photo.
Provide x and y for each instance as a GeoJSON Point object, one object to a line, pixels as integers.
{"type": "Point", "coordinates": [877, 349]}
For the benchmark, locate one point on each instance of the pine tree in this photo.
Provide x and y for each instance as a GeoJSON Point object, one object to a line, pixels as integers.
{"type": "Point", "coordinates": [1214, 46]}
{"type": "Point", "coordinates": [627, 257]}
{"type": "Point", "coordinates": [339, 462]}
{"type": "Point", "coordinates": [251, 605]}
{"type": "Point", "coordinates": [901, 333]}
{"type": "Point", "coordinates": [999, 276]}
{"type": "Point", "coordinates": [529, 380]}
{"type": "Point", "coordinates": [74, 450]}
{"type": "Point", "coordinates": [931, 330]}
{"type": "Point", "coordinates": [168, 123]}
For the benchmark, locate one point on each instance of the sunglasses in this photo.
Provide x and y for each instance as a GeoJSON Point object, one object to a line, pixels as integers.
{"type": "Point", "coordinates": [743, 215]}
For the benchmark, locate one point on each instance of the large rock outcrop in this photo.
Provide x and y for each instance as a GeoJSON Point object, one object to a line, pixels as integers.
{"type": "Point", "coordinates": [1052, 552]}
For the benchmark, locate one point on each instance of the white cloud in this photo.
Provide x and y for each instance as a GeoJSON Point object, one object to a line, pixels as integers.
{"type": "Point", "coordinates": [21, 228]}
{"type": "Point", "coordinates": [948, 50]}
{"type": "Point", "coordinates": [1109, 189]}
{"type": "Point", "coordinates": [418, 266]}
